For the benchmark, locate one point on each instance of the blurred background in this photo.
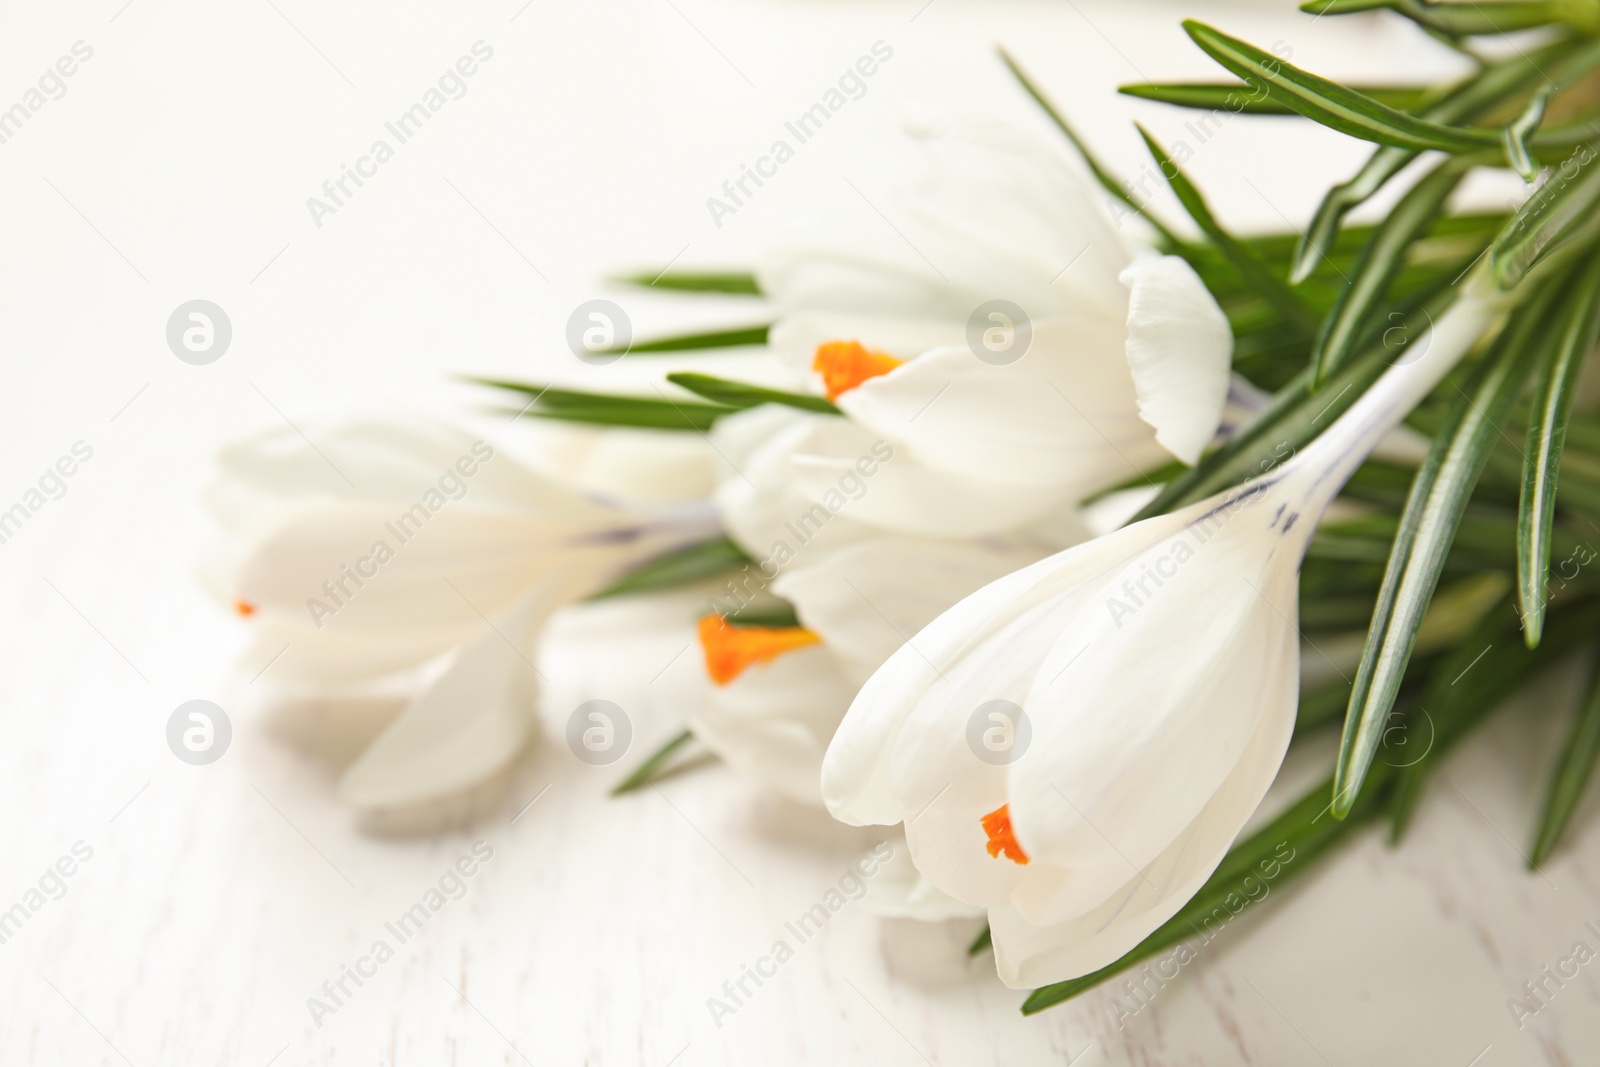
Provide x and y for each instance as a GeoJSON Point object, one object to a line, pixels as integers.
{"type": "Point", "coordinates": [176, 164]}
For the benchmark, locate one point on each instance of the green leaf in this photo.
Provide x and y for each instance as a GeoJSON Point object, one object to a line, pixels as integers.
{"type": "Point", "coordinates": [606, 409]}
{"type": "Point", "coordinates": [1332, 104]}
{"type": "Point", "coordinates": [1468, 19]}
{"type": "Point", "coordinates": [1571, 776]}
{"type": "Point", "coordinates": [1427, 527]}
{"type": "Point", "coordinates": [780, 614]}
{"type": "Point", "coordinates": [682, 567]}
{"type": "Point", "coordinates": [1235, 97]}
{"type": "Point", "coordinates": [688, 342]}
{"type": "Point", "coordinates": [649, 770]}
{"type": "Point", "coordinates": [984, 939]}
{"type": "Point", "coordinates": [1514, 138]}
{"type": "Point", "coordinates": [1474, 97]}
{"type": "Point", "coordinates": [1379, 263]}
{"type": "Point", "coordinates": [1573, 337]}
{"type": "Point", "coordinates": [1563, 208]}
{"type": "Point", "coordinates": [1255, 272]}
{"type": "Point", "coordinates": [1101, 175]}
{"type": "Point", "coordinates": [742, 395]}
{"type": "Point", "coordinates": [738, 283]}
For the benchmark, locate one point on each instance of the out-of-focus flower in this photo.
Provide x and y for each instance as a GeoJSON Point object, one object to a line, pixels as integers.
{"type": "Point", "coordinates": [395, 556]}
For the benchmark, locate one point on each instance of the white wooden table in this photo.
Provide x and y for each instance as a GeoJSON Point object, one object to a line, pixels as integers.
{"type": "Point", "coordinates": [218, 899]}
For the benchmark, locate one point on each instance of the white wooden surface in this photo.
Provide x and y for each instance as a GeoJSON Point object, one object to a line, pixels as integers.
{"type": "Point", "coordinates": [218, 899]}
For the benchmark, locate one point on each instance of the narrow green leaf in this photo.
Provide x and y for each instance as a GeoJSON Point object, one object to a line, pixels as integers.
{"type": "Point", "coordinates": [779, 614]}
{"type": "Point", "coordinates": [733, 282]}
{"type": "Point", "coordinates": [1561, 209]}
{"type": "Point", "coordinates": [1514, 138]}
{"type": "Point", "coordinates": [1293, 416]}
{"type": "Point", "coordinates": [650, 769]}
{"type": "Point", "coordinates": [1571, 776]}
{"type": "Point", "coordinates": [1573, 339]}
{"type": "Point", "coordinates": [1107, 181]}
{"type": "Point", "coordinates": [743, 395]}
{"type": "Point", "coordinates": [1478, 678]}
{"type": "Point", "coordinates": [1474, 97]}
{"type": "Point", "coordinates": [1379, 263]}
{"type": "Point", "coordinates": [605, 409]}
{"type": "Point", "coordinates": [1332, 104]}
{"type": "Point", "coordinates": [1466, 19]}
{"type": "Point", "coordinates": [1427, 527]}
{"type": "Point", "coordinates": [688, 342]}
{"type": "Point", "coordinates": [980, 943]}
{"type": "Point", "coordinates": [682, 567]}
{"type": "Point", "coordinates": [1255, 272]}
{"type": "Point", "coordinates": [1241, 99]}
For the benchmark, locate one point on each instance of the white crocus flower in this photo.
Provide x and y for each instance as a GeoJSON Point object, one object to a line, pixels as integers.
{"type": "Point", "coordinates": [394, 556]}
{"type": "Point", "coordinates": [1157, 668]}
{"type": "Point", "coordinates": [1015, 350]}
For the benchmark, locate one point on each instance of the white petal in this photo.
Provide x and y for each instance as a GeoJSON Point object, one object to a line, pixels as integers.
{"type": "Point", "coordinates": [773, 722]}
{"type": "Point", "coordinates": [1179, 348]}
{"type": "Point", "coordinates": [796, 337]}
{"type": "Point", "coordinates": [469, 724]}
{"type": "Point", "coordinates": [897, 890]}
{"type": "Point", "coordinates": [1064, 415]}
{"type": "Point", "coordinates": [1029, 954]}
{"type": "Point", "coordinates": [867, 599]}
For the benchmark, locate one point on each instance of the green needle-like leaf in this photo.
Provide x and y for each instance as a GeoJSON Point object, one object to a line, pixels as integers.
{"type": "Point", "coordinates": [1330, 103]}
{"type": "Point", "coordinates": [688, 342]}
{"type": "Point", "coordinates": [743, 395]}
{"type": "Point", "coordinates": [1379, 263]}
{"type": "Point", "coordinates": [1486, 90]}
{"type": "Point", "coordinates": [1562, 209]}
{"type": "Point", "coordinates": [1571, 776]}
{"type": "Point", "coordinates": [682, 567]}
{"type": "Point", "coordinates": [1255, 272]}
{"type": "Point", "coordinates": [1242, 99]}
{"type": "Point", "coordinates": [1573, 338]}
{"type": "Point", "coordinates": [1514, 138]}
{"type": "Point", "coordinates": [606, 409]}
{"type": "Point", "coordinates": [733, 282]}
{"type": "Point", "coordinates": [1107, 181]}
{"type": "Point", "coordinates": [648, 771]}
{"type": "Point", "coordinates": [984, 939]}
{"type": "Point", "coordinates": [1465, 19]}
{"type": "Point", "coordinates": [1427, 527]}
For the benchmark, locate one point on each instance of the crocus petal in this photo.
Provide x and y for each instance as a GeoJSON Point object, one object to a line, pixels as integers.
{"type": "Point", "coordinates": [1179, 349]}
{"type": "Point", "coordinates": [897, 890]}
{"type": "Point", "coordinates": [795, 338]}
{"type": "Point", "coordinates": [469, 724]}
{"type": "Point", "coordinates": [775, 719]}
{"type": "Point", "coordinates": [1063, 415]}
{"type": "Point", "coordinates": [867, 599]}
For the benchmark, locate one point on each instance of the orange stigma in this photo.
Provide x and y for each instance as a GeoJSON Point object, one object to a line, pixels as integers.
{"type": "Point", "coordinates": [846, 364]}
{"type": "Point", "coordinates": [730, 649]}
{"type": "Point", "coordinates": [997, 825]}
{"type": "Point", "coordinates": [244, 608]}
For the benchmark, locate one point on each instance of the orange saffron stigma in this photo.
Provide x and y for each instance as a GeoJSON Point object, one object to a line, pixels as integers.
{"type": "Point", "coordinates": [244, 608]}
{"type": "Point", "coordinates": [730, 649]}
{"type": "Point", "coordinates": [997, 825]}
{"type": "Point", "coordinates": [846, 364]}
